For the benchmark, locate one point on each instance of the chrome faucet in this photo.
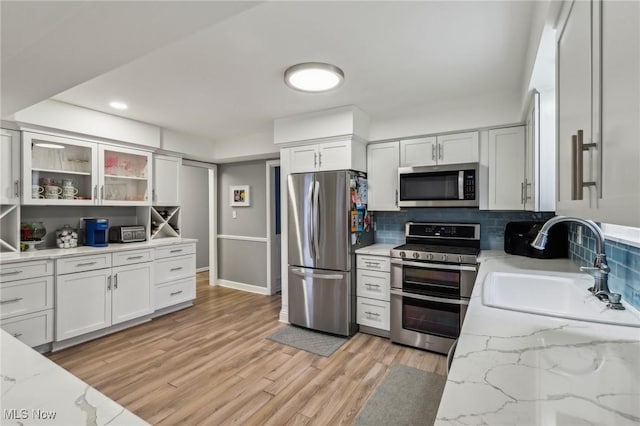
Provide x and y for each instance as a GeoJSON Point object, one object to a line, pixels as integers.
{"type": "Point", "coordinates": [599, 270]}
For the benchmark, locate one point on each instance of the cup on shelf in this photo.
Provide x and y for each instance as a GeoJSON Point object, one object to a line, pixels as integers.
{"type": "Point", "coordinates": [69, 191]}
{"type": "Point", "coordinates": [36, 191]}
{"type": "Point", "coordinates": [52, 192]}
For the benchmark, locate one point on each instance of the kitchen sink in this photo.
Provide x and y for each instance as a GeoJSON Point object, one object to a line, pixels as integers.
{"type": "Point", "coordinates": [563, 295]}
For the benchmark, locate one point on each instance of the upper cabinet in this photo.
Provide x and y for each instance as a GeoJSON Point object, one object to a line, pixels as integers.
{"type": "Point", "coordinates": [382, 175]}
{"type": "Point", "coordinates": [10, 167]}
{"type": "Point", "coordinates": [598, 110]}
{"type": "Point", "coordinates": [69, 171]}
{"type": "Point", "coordinates": [447, 149]}
{"type": "Point", "coordinates": [342, 154]}
{"type": "Point", "coordinates": [166, 180]}
{"type": "Point", "coordinates": [506, 162]}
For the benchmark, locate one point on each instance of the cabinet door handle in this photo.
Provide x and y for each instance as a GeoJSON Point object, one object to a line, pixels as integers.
{"type": "Point", "coordinates": [320, 159]}
{"type": "Point", "coordinates": [17, 188]}
{"type": "Point", "coordinates": [440, 151]}
{"type": "Point", "coordinates": [521, 192]}
{"type": "Point", "coordinates": [134, 257]}
{"type": "Point", "coordinates": [578, 148]}
{"type": "Point", "coordinates": [109, 283]}
{"type": "Point", "coordinates": [95, 192]}
{"type": "Point", "coordinates": [101, 192]}
{"type": "Point", "coordinates": [11, 273]}
{"type": "Point", "coordinates": [115, 281]}
{"type": "Point", "coordinates": [175, 293]}
{"type": "Point", "coordinates": [153, 194]}
{"type": "Point", "coordinates": [175, 251]}
{"type": "Point", "coordinates": [315, 159]}
{"type": "Point", "coordinates": [85, 264]}
{"type": "Point", "coordinates": [16, 335]}
{"type": "Point", "coordinates": [396, 198]}
{"type": "Point", "coordinates": [15, 299]}
{"type": "Point", "coordinates": [175, 269]}
{"type": "Point", "coordinates": [433, 152]}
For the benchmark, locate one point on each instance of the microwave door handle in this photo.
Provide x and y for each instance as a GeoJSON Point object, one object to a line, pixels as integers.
{"type": "Point", "coordinates": [461, 185]}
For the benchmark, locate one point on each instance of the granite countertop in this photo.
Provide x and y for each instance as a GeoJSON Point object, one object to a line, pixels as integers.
{"type": "Point", "coordinates": [377, 249]}
{"type": "Point", "coordinates": [35, 391]}
{"type": "Point", "coordinates": [54, 253]}
{"type": "Point", "coordinates": [515, 368]}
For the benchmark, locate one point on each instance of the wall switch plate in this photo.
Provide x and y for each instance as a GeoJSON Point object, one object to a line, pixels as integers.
{"type": "Point", "coordinates": [234, 214]}
{"type": "Point", "coordinates": [579, 235]}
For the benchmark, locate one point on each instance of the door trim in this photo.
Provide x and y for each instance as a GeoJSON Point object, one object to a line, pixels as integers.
{"type": "Point", "coordinates": [270, 165]}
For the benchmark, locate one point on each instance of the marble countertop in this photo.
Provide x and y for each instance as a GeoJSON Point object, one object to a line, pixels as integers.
{"type": "Point", "coordinates": [513, 368]}
{"type": "Point", "coordinates": [54, 253]}
{"type": "Point", "coordinates": [36, 391]}
{"type": "Point", "coordinates": [377, 249]}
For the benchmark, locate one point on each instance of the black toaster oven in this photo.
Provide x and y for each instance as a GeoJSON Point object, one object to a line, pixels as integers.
{"type": "Point", "coordinates": [127, 234]}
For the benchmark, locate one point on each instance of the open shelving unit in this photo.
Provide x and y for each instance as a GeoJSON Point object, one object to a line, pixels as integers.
{"type": "Point", "coordinates": [9, 228]}
{"type": "Point", "coordinates": [161, 222]}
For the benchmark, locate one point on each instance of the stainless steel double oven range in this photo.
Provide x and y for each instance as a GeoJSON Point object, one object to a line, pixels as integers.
{"type": "Point", "coordinates": [432, 278]}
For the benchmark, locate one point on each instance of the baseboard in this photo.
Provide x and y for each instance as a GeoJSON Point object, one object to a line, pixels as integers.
{"type": "Point", "coordinates": [63, 344]}
{"type": "Point", "coordinates": [203, 269]}
{"type": "Point", "coordinates": [284, 315]}
{"type": "Point", "coordinates": [244, 287]}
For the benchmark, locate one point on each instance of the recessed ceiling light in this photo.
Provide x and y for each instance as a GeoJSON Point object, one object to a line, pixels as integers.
{"type": "Point", "coordinates": [118, 105]}
{"type": "Point", "coordinates": [313, 77]}
{"type": "Point", "coordinates": [49, 145]}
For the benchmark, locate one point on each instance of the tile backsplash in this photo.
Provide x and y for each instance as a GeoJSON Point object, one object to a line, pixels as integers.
{"type": "Point", "coordinates": [623, 259]}
{"type": "Point", "coordinates": [390, 225]}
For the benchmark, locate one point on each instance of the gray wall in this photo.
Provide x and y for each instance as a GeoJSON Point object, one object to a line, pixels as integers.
{"type": "Point", "coordinates": [239, 260]}
{"type": "Point", "coordinates": [194, 193]}
{"type": "Point", "coordinates": [251, 221]}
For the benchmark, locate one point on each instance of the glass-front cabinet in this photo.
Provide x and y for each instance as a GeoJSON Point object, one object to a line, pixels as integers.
{"type": "Point", "coordinates": [125, 177]}
{"type": "Point", "coordinates": [67, 171]}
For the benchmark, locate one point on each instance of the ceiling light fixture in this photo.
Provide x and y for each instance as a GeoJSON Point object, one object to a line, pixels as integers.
{"type": "Point", "coordinates": [49, 145]}
{"type": "Point", "coordinates": [313, 77]}
{"type": "Point", "coordinates": [118, 105]}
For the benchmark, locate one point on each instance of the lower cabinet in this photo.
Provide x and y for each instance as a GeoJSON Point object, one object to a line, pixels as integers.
{"type": "Point", "coordinates": [373, 293]}
{"type": "Point", "coordinates": [175, 275]}
{"type": "Point", "coordinates": [93, 300]}
{"type": "Point", "coordinates": [33, 329]}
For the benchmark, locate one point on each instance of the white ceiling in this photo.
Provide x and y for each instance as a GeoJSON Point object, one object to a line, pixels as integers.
{"type": "Point", "coordinates": [225, 78]}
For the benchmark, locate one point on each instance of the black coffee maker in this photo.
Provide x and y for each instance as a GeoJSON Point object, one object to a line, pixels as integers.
{"type": "Point", "coordinates": [519, 235]}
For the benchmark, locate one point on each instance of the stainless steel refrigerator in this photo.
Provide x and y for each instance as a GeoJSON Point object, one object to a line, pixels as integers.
{"type": "Point", "coordinates": [327, 222]}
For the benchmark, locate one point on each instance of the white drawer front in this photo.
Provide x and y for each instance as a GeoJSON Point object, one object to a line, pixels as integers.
{"type": "Point", "coordinates": [26, 296]}
{"type": "Point", "coordinates": [83, 263]}
{"type": "Point", "coordinates": [33, 329]}
{"type": "Point", "coordinates": [176, 250]}
{"type": "Point", "coordinates": [373, 313]}
{"type": "Point", "coordinates": [131, 257]}
{"type": "Point", "coordinates": [374, 263]}
{"type": "Point", "coordinates": [24, 270]}
{"type": "Point", "coordinates": [174, 269]}
{"type": "Point", "coordinates": [373, 284]}
{"type": "Point", "coordinates": [174, 293]}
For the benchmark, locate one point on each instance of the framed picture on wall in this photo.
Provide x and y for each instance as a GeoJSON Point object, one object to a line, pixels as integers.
{"type": "Point", "coordinates": [239, 195]}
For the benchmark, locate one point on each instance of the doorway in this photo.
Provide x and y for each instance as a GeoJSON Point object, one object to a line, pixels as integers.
{"type": "Point", "coordinates": [274, 225]}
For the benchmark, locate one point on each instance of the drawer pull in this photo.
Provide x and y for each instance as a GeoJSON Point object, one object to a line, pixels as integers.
{"type": "Point", "coordinates": [372, 285]}
{"type": "Point", "coordinates": [175, 251]}
{"type": "Point", "coordinates": [375, 314]}
{"type": "Point", "coordinates": [372, 263]}
{"type": "Point", "coordinates": [17, 299]}
{"type": "Point", "coordinates": [175, 293]}
{"type": "Point", "coordinates": [175, 269]}
{"type": "Point", "coordinates": [16, 335]}
{"type": "Point", "coordinates": [86, 264]}
{"type": "Point", "coordinates": [11, 273]}
{"type": "Point", "coordinates": [134, 257]}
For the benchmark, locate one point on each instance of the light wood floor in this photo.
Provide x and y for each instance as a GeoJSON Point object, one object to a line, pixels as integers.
{"type": "Point", "coordinates": [212, 364]}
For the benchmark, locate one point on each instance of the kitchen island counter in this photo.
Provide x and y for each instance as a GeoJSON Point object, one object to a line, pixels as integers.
{"type": "Point", "coordinates": [516, 368]}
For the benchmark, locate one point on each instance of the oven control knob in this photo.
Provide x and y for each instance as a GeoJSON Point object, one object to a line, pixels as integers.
{"type": "Point", "coordinates": [459, 259]}
{"type": "Point", "coordinates": [429, 256]}
{"type": "Point", "coordinates": [416, 255]}
{"type": "Point", "coordinates": [444, 257]}
{"type": "Point", "coordinates": [403, 254]}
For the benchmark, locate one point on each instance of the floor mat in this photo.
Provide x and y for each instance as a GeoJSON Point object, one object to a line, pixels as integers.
{"type": "Point", "coordinates": [308, 340]}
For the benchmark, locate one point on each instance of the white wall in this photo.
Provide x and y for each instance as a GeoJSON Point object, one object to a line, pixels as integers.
{"type": "Point", "coordinates": [190, 146]}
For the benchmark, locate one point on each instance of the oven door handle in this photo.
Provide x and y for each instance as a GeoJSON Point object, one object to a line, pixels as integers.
{"type": "Point", "coordinates": [434, 266]}
{"type": "Point", "coordinates": [430, 298]}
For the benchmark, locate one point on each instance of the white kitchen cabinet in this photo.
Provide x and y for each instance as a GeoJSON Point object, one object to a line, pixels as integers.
{"type": "Point", "coordinates": [9, 167]}
{"type": "Point", "coordinates": [99, 298]}
{"type": "Point", "coordinates": [531, 184]}
{"type": "Point", "coordinates": [27, 301]}
{"type": "Point", "coordinates": [458, 148]}
{"type": "Point", "coordinates": [373, 283]}
{"type": "Point", "coordinates": [83, 303]}
{"type": "Point", "coordinates": [382, 175]}
{"type": "Point", "coordinates": [418, 152]}
{"type": "Point", "coordinates": [95, 173]}
{"type": "Point", "coordinates": [132, 294]}
{"type": "Point", "coordinates": [598, 56]}
{"type": "Point", "coordinates": [175, 275]}
{"type": "Point", "coordinates": [506, 168]}
{"type": "Point", "coordinates": [341, 154]}
{"type": "Point", "coordinates": [166, 180]}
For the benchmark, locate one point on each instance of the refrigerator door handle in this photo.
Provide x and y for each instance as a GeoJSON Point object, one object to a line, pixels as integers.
{"type": "Point", "coordinates": [309, 212]}
{"type": "Point", "coordinates": [316, 220]}
{"type": "Point", "coordinates": [300, 272]}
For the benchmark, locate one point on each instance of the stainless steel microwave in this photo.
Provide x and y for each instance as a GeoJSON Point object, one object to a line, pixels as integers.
{"type": "Point", "coordinates": [451, 185]}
